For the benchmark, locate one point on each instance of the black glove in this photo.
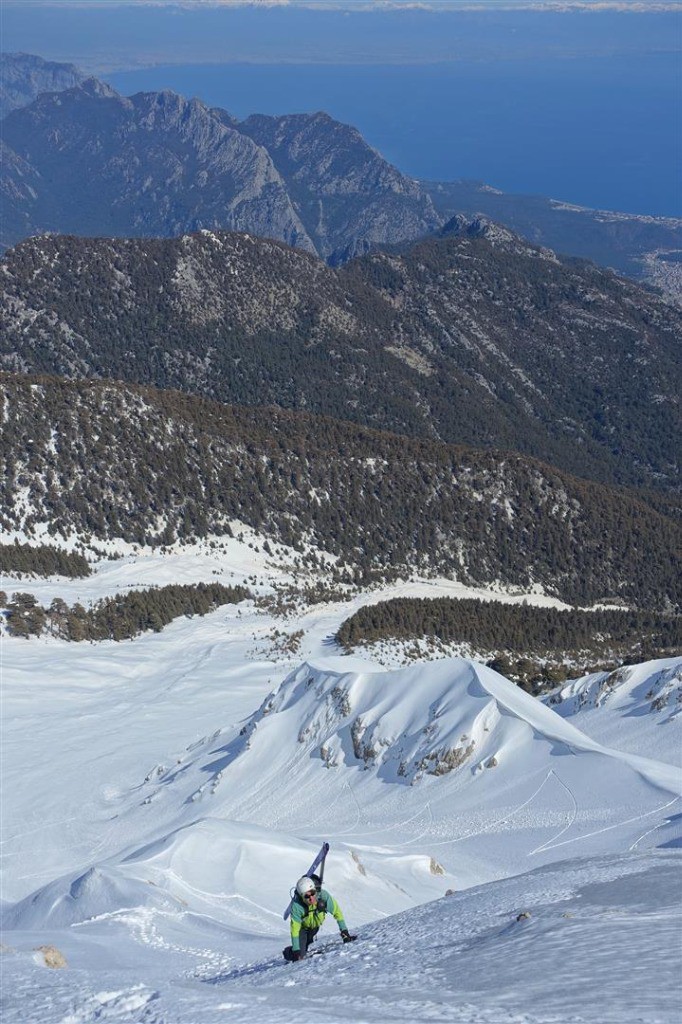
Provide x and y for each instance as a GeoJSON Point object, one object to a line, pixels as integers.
{"type": "Point", "coordinates": [296, 955]}
{"type": "Point", "coordinates": [347, 937]}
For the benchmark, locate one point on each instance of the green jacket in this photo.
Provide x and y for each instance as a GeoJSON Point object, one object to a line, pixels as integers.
{"type": "Point", "coordinates": [303, 916]}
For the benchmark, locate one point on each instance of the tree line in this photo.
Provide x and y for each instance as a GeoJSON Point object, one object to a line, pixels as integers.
{"type": "Point", "coordinates": [41, 560]}
{"type": "Point", "coordinates": [121, 617]}
{"type": "Point", "coordinates": [532, 645]}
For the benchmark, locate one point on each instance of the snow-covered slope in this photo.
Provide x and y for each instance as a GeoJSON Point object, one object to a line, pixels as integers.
{"type": "Point", "coordinates": [426, 778]}
{"type": "Point", "coordinates": [635, 708]}
{"type": "Point", "coordinates": [447, 759]}
{"type": "Point", "coordinates": [592, 940]}
{"type": "Point", "coordinates": [161, 796]}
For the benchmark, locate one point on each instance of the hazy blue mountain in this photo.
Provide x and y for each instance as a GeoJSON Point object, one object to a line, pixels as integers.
{"type": "Point", "coordinates": [24, 76]}
{"type": "Point", "coordinates": [349, 198]}
{"type": "Point", "coordinates": [157, 164]}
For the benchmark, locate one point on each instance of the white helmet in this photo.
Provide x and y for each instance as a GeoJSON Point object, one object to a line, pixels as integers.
{"type": "Point", "coordinates": [305, 885]}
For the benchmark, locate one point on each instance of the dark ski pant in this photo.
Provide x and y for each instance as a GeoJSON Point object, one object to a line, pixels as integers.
{"type": "Point", "coordinates": [305, 939]}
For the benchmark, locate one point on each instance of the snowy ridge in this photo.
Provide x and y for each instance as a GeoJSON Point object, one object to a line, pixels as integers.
{"type": "Point", "coordinates": [449, 757]}
{"type": "Point", "coordinates": [416, 721]}
{"type": "Point", "coordinates": [419, 721]}
{"type": "Point", "coordinates": [67, 901]}
{"type": "Point", "coordinates": [634, 707]}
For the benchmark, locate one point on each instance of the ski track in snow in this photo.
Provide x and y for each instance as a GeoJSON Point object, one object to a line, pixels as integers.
{"type": "Point", "coordinates": [619, 824]}
{"type": "Point", "coordinates": [550, 844]}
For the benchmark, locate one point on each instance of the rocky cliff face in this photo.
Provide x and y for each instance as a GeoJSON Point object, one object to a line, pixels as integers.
{"type": "Point", "coordinates": [474, 338]}
{"type": "Point", "coordinates": [349, 198]}
{"type": "Point", "coordinates": [25, 76]}
{"type": "Point", "coordinates": [156, 164]}
{"type": "Point", "coordinates": [324, 187]}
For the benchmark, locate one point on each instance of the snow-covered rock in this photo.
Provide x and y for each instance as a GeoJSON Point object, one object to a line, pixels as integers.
{"type": "Point", "coordinates": [636, 708]}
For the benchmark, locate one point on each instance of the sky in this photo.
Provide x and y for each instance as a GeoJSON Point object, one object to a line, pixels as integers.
{"type": "Point", "coordinates": [373, 5]}
{"type": "Point", "coordinates": [114, 36]}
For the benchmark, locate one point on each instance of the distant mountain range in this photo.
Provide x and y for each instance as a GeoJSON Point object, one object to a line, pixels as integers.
{"type": "Point", "coordinates": [25, 76]}
{"type": "Point", "coordinates": [91, 162]}
{"type": "Point", "coordinates": [108, 460]}
{"type": "Point", "coordinates": [475, 338]}
{"type": "Point", "coordinates": [88, 161]}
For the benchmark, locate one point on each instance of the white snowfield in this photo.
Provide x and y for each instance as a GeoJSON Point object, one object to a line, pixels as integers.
{"type": "Point", "coordinates": [161, 796]}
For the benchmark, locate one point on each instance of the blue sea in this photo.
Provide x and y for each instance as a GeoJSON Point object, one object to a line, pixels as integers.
{"type": "Point", "coordinates": [602, 131]}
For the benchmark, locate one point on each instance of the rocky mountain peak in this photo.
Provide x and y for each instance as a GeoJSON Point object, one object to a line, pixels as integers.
{"type": "Point", "coordinates": [160, 164]}
{"type": "Point", "coordinates": [97, 89]}
{"type": "Point", "coordinates": [24, 76]}
{"type": "Point", "coordinates": [327, 154]}
{"type": "Point", "coordinates": [478, 226]}
{"type": "Point", "coordinates": [349, 197]}
{"type": "Point", "coordinates": [154, 164]}
{"type": "Point", "coordinates": [170, 106]}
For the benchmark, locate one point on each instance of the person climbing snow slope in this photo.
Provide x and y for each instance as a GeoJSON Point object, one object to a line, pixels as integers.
{"type": "Point", "coordinates": [310, 906]}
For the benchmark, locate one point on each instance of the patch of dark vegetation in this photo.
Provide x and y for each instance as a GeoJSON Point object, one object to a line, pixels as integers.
{"type": "Point", "coordinates": [538, 648]}
{"type": "Point", "coordinates": [121, 617]}
{"type": "Point", "coordinates": [41, 560]}
{"type": "Point", "coordinates": [382, 504]}
{"type": "Point", "coordinates": [488, 343]}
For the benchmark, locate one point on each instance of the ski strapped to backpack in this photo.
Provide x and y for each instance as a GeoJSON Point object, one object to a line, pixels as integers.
{"type": "Point", "coordinates": [317, 863]}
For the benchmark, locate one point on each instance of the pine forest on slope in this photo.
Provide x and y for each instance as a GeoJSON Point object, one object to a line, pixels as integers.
{"type": "Point", "coordinates": [641, 247]}
{"type": "Point", "coordinates": [41, 560]}
{"type": "Point", "coordinates": [120, 617]}
{"type": "Point", "coordinates": [474, 338]}
{"type": "Point", "coordinates": [548, 643]}
{"type": "Point", "coordinates": [109, 460]}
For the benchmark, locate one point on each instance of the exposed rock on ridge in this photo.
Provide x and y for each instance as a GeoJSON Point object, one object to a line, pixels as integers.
{"type": "Point", "coordinates": [25, 76]}
{"type": "Point", "coordinates": [349, 198]}
{"type": "Point", "coordinates": [155, 164]}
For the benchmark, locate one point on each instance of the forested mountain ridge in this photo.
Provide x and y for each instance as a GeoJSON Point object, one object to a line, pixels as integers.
{"type": "Point", "coordinates": [642, 247]}
{"type": "Point", "coordinates": [108, 460]}
{"type": "Point", "coordinates": [474, 338]}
